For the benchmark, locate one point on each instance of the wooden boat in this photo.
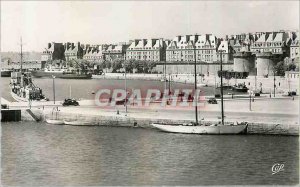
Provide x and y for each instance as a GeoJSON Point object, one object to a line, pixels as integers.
{"type": "Point", "coordinates": [77, 123]}
{"type": "Point", "coordinates": [202, 129]}
{"type": "Point", "coordinates": [55, 121]}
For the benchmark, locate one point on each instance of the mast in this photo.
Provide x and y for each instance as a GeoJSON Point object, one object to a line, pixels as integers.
{"type": "Point", "coordinates": [21, 55]}
{"type": "Point", "coordinates": [70, 91]}
{"type": "Point", "coordinates": [165, 74]}
{"type": "Point", "coordinates": [195, 73]}
{"type": "Point", "coordinates": [125, 88]}
{"type": "Point", "coordinates": [222, 107]}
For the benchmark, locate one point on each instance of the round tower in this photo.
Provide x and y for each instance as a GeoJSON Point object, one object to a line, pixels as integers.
{"type": "Point", "coordinates": [264, 64]}
{"type": "Point", "coordinates": [243, 62]}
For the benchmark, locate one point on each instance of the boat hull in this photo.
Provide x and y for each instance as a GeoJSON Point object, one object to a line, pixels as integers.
{"type": "Point", "coordinates": [40, 74]}
{"type": "Point", "coordinates": [6, 73]}
{"type": "Point", "coordinates": [77, 123]}
{"type": "Point", "coordinates": [220, 129]}
{"type": "Point", "coordinates": [55, 121]}
{"type": "Point", "coordinates": [22, 99]}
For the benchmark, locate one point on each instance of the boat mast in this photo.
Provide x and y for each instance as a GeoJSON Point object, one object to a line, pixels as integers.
{"type": "Point", "coordinates": [21, 55]}
{"type": "Point", "coordinates": [222, 107]}
{"type": "Point", "coordinates": [195, 73]}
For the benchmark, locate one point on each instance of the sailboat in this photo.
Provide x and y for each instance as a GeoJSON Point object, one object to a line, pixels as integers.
{"type": "Point", "coordinates": [197, 128]}
{"type": "Point", "coordinates": [22, 88]}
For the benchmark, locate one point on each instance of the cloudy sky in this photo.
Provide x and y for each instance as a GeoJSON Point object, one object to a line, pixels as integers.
{"type": "Point", "coordinates": [98, 22]}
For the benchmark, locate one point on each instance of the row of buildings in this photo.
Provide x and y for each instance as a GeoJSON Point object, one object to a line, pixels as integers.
{"type": "Point", "coordinates": [206, 48]}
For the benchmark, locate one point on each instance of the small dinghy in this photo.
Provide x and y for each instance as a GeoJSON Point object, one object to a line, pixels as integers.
{"type": "Point", "coordinates": [77, 123]}
{"type": "Point", "coordinates": [55, 121]}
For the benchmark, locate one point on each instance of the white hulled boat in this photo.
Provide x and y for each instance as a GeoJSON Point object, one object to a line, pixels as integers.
{"type": "Point", "coordinates": [77, 123]}
{"type": "Point", "coordinates": [55, 121]}
{"type": "Point", "coordinates": [202, 129]}
{"type": "Point", "coordinates": [197, 128]}
{"type": "Point", "coordinates": [22, 88]}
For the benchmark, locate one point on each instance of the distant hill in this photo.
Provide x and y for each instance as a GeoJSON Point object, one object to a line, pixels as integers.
{"type": "Point", "coordinates": [15, 56]}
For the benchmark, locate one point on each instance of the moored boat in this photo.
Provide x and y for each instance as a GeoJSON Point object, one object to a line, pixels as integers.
{"type": "Point", "coordinates": [240, 88]}
{"type": "Point", "coordinates": [77, 123]}
{"type": "Point", "coordinates": [55, 121]}
{"type": "Point", "coordinates": [22, 88]}
{"type": "Point", "coordinates": [63, 73]}
{"type": "Point", "coordinates": [203, 129]}
{"type": "Point", "coordinates": [197, 128]}
{"type": "Point", "coordinates": [5, 72]}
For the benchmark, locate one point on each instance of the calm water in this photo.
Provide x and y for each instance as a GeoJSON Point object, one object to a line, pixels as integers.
{"type": "Point", "coordinates": [36, 154]}
{"type": "Point", "coordinates": [84, 88]}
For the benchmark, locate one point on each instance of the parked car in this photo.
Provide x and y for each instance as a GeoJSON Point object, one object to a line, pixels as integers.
{"type": "Point", "coordinates": [4, 106]}
{"type": "Point", "coordinates": [212, 101]}
{"type": "Point", "coordinates": [69, 102]}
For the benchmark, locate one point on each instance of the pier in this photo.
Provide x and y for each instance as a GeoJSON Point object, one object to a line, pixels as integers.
{"type": "Point", "coordinates": [271, 120]}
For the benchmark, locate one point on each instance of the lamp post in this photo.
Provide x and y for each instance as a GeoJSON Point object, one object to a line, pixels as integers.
{"type": "Point", "coordinates": [125, 89]}
{"type": "Point", "coordinates": [53, 77]}
{"type": "Point", "coordinates": [274, 82]}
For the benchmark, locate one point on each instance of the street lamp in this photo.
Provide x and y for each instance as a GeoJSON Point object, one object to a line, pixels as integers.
{"type": "Point", "coordinates": [125, 88]}
{"type": "Point", "coordinates": [53, 77]}
{"type": "Point", "coordinates": [274, 81]}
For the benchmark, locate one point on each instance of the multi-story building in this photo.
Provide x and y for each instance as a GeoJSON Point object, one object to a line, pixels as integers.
{"type": "Point", "coordinates": [241, 42]}
{"type": "Point", "coordinates": [184, 48]}
{"type": "Point", "coordinates": [114, 52]}
{"type": "Point", "coordinates": [226, 50]}
{"type": "Point", "coordinates": [294, 48]}
{"type": "Point", "coordinates": [146, 49]}
{"type": "Point", "coordinates": [73, 52]}
{"type": "Point", "coordinates": [93, 54]}
{"type": "Point", "coordinates": [54, 51]}
{"type": "Point", "coordinates": [274, 42]}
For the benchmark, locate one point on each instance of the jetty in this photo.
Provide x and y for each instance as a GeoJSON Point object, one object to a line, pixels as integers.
{"type": "Point", "coordinates": [271, 120]}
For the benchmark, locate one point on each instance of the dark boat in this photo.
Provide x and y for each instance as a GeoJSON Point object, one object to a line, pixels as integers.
{"type": "Point", "coordinates": [62, 73]}
{"type": "Point", "coordinates": [240, 88]}
{"type": "Point", "coordinates": [5, 73]}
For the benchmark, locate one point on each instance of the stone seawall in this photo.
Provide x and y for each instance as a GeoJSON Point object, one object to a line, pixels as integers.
{"type": "Point", "coordinates": [127, 121]}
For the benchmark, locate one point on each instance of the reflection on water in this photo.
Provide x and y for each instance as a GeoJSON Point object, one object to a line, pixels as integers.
{"type": "Point", "coordinates": [40, 154]}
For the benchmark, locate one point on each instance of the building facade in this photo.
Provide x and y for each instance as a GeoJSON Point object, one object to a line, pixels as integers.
{"type": "Point", "coordinates": [147, 50]}
{"type": "Point", "coordinates": [54, 51]}
{"type": "Point", "coordinates": [115, 52]}
{"type": "Point", "coordinates": [73, 52]}
{"type": "Point", "coordinates": [275, 42]}
{"type": "Point", "coordinates": [184, 48]}
{"type": "Point", "coordinates": [94, 53]}
{"type": "Point", "coordinates": [294, 48]}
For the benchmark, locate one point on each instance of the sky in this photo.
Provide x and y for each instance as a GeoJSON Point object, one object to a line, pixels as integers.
{"type": "Point", "coordinates": [99, 22]}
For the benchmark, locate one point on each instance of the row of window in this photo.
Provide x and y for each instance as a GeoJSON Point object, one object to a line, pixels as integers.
{"type": "Point", "coordinates": [192, 47]}
{"type": "Point", "coordinates": [267, 44]}
{"type": "Point", "coordinates": [143, 48]}
{"type": "Point", "coordinates": [192, 52]}
{"type": "Point", "coordinates": [145, 52]}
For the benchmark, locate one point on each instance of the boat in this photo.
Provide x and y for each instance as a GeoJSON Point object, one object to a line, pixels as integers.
{"type": "Point", "coordinates": [240, 88]}
{"type": "Point", "coordinates": [5, 72]}
{"type": "Point", "coordinates": [55, 121]}
{"type": "Point", "coordinates": [63, 73]}
{"type": "Point", "coordinates": [77, 123]}
{"type": "Point", "coordinates": [197, 128]}
{"type": "Point", "coordinates": [203, 129]}
{"type": "Point", "coordinates": [22, 89]}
